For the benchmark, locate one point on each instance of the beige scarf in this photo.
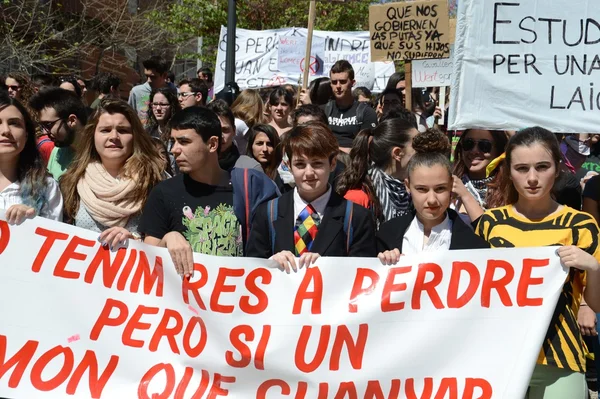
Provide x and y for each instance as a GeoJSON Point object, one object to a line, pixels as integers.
{"type": "Point", "coordinates": [107, 200]}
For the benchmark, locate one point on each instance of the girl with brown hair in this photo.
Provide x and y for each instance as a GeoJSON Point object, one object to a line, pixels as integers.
{"type": "Point", "coordinates": [115, 167]}
{"type": "Point", "coordinates": [248, 109]}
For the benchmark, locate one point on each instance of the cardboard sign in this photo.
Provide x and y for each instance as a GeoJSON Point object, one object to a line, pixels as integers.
{"type": "Point", "coordinates": [525, 63]}
{"type": "Point", "coordinates": [409, 30]}
{"type": "Point", "coordinates": [80, 321]}
{"type": "Point", "coordinates": [432, 73]}
{"type": "Point", "coordinates": [258, 59]}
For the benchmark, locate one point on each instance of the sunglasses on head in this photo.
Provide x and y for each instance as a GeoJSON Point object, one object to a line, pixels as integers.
{"type": "Point", "coordinates": [484, 146]}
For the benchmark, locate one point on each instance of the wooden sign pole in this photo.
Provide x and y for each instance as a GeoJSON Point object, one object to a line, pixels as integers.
{"type": "Point", "coordinates": [312, 13]}
{"type": "Point", "coordinates": [408, 86]}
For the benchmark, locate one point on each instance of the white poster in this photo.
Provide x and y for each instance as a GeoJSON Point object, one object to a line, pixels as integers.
{"type": "Point", "coordinates": [524, 63]}
{"type": "Point", "coordinates": [80, 321]}
{"type": "Point", "coordinates": [364, 69]}
{"type": "Point", "coordinates": [257, 58]}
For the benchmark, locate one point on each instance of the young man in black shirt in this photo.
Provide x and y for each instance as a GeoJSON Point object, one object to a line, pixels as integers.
{"type": "Point", "coordinates": [347, 117]}
{"type": "Point", "coordinates": [193, 211]}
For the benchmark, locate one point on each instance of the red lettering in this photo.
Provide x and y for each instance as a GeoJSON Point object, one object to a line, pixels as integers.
{"type": "Point", "coordinates": [346, 388]}
{"type": "Point", "coordinates": [109, 270]}
{"type": "Point", "coordinates": [356, 349]}
{"type": "Point", "coordinates": [70, 253]}
{"type": "Point", "coordinates": [136, 324]}
{"type": "Point", "coordinates": [19, 360]}
{"type": "Point", "coordinates": [499, 285]}
{"type": "Point", "coordinates": [106, 320]}
{"type": "Point", "coordinates": [259, 360]}
{"type": "Point", "coordinates": [410, 389]}
{"type": "Point", "coordinates": [448, 385]}
{"type": "Point", "coordinates": [96, 384]}
{"type": "Point", "coordinates": [150, 374]}
{"type": "Point", "coordinates": [121, 284]}
{"type": "Point", "coordinates": [194, 351]}
{"type": "Point", "coordinates": [454, 301]}
{"type": "Point", "coordinates": [526, 280]}
{"type": "Point", "coordinates": [358, 290]}
{"type": "Point", "coordinates": [263, 299]}
{"type": "Point", "coordinates": [300, 355]}
{"type": "Point", "coordinates": [221, 287]}
{"type": "Point", "coordinates": [374, 390]}
{"type": "Point", "coordinates": [163, 330]}
{"type": "Point", "coordinates": [60, 377]}
{"type": "Point", "coordinates": [312, 275]}
{"type": "Point", "coordinates": [51, 237]}
{"type": "Point", "coordinates": [183, 384]}
{"type": "Point", "coordinates": [261, 393]}
{"type": "Point", "coordinates": [389, 287]}
{"type": "Point", "coordinates": [203, 385]}
{"type": "Point", "coordinates": [195, 286]}
{"type": "Point", "coordinates": [242, 348]}
{"type": "Point", "coordinates": [216, 389]}
{"type": "Point", "coordinates": [428, 287]}
{"type": "Point", "coordinates": [142, 272]}
{"type": "Point", "coordinates": [472, 383]}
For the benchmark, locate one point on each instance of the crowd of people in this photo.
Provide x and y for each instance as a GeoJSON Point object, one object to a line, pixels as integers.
{"type": "Point", "coordinates": [291, 175]}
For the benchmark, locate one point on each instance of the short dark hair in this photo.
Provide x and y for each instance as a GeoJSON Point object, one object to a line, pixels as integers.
{"type": "Point", "coordinates": [63, 101]}
{"type": "Point", "coordinates": [197, 86]}
{"type": "Point", "coordinates": [72, 80]}
{"type": "Point", "coordinates": [400, 113]}
{"type": "Point", "coordinates": [279, 93]}
{"type": "Point", "coordinates": [171, 76]}
{"type": "Point", "coordinates": [204, 121]}
{"type": "Point", "coordinates": [313, 140]}
{"type": "Point", "coordinates": [221, 108]}
{"type": "Point", "coordinates": [310, 110]}
{"type": "Point", "coordinates": [103, 82]}
{"type": "Point", "coordinates": [156, 63]}
{"type": "Point", "coordinates": [206, 71]}
{"type": "Point", "coordinates": [362, 91]}
{"type": "Point", "coordinates": [342, 66]}
{"type": "Point", "coordinates": [40, 80]}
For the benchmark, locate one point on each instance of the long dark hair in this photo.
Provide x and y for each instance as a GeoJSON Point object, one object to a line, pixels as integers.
{"type": "Point", "coordinates": [495, 196]}
{"type": "Point", "coordinates": [31, 171]}
{"type": "Point", "coordinates": [271, 169]}
{"type": "Point", "coordinates": [527, 138]}
{"type": "Point", "coordinates": [320, 91]}
{"type": "Point", "coordinates": [171, 96]}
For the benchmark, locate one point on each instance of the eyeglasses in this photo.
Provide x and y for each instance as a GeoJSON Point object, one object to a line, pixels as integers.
{"type": "Point", "coordinates": [13, 87]}
{"type": "Point", "coordinates": [187, 94]}
{"type": "Point", "coordinates": [47, 126]}
{"type": "Point", "coordinates": [160, 105]}
{"type": "Point", "coordinates": [484, 146]}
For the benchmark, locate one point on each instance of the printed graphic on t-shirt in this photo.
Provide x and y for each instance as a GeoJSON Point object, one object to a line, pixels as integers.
{"type": "Point", "coordinates": [350, 121]}
{"type": "Point", "coordinates": [213, 231]}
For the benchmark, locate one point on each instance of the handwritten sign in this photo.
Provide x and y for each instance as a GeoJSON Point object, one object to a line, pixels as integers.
{"type": "Point", "coordinates": [526, 63]}
{"type": "Point", "coordinates": [432, 73]}
{"type": "Point", "coordinates": [241, 329]}
{"type": "Point", "coordinates": [409, 30]}
{"type": "Point", "coordinates": [258, 57]}
{"type": "Point", "coordinates": [364, 71]}
{"type": "Point", "coordinates": [291, 54]}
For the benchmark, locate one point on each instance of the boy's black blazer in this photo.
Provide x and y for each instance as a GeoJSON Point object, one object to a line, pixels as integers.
{"type": "Point", "coordinates": [391, 233]}
{"type": "Point", "coordinates": [330, 240]}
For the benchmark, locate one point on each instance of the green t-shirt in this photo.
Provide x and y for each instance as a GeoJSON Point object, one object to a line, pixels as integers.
{"type": "Point", "coordinates": [60, 160]}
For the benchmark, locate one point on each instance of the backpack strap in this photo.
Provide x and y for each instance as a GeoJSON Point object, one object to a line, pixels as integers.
{"type": "Point", "coordinates": [348, 224]}
{"type": "Point", "coordinates": [272, 207]}
{"type": "Point", "coordinates": [360, 112]}
{"type": "Point", "coordinates": [247, 203]}
{"type": "Point", "coordinates": [329, 108]}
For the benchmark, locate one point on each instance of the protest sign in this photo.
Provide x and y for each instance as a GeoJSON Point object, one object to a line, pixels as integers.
{"type": "Point", "coordinates": [527, 63]}
{"type": "Point", "coordinates": [291, 54]}
{"type": "Point", "coordinates": [409, 30]}
{"type": "Point", "coordinates": [257, 57]}
{"type": "Point", "coordinates": [81, 321]}
{"type": "Point", "coordinates": [432, 73]}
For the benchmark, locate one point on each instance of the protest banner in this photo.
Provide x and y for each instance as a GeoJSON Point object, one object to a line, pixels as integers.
{"type": "Point", "coordinates": [291, 54]}
{"type": "Point", "coordinates": [409, 30]}
{"type": "Point", "coordinates": [524, 63]}
{"type": "Point", "coordinates": [257, 57]}
{"type": "Point", "coordinates": [364, 71]}
{"type": "Point", "coordinates": [81, 321]}
{"type": "Point", "coordinates": [432, 73]}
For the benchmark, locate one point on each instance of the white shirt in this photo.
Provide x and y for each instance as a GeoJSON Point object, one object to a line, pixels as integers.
{"type": "Point", "coordinates": [319, 204]}
{"type": "Point", "coordinates": [439, 238]}
{"type": "Point", "coordinates": [53, 202]}
{"type": "Point", "coordinates": [241, 135]}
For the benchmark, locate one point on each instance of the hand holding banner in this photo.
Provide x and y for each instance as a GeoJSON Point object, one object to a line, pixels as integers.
{"type": "Point", "coordinates": [82, 321]}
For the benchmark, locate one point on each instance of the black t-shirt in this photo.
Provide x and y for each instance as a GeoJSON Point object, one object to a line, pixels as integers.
{"type": "Point", "coordinates": [344, 122]}
{"type": "Point", "coordinates": [203, 214]}
{"type": "Point", "coordinates": [592, 189]}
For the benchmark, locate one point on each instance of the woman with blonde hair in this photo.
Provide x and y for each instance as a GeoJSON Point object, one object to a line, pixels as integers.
{"type": "Point", "coordinates": [248, 109]}
{"type": "Point", "coordinates": [115, 167]}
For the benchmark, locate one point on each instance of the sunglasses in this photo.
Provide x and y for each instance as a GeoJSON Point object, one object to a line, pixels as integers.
{"type": "Point", "coordinates": [13, 88]}
{"type": "Point", "coordinates": [47, 126]}
{"type": "Point", "coordinates": [484, 146]}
